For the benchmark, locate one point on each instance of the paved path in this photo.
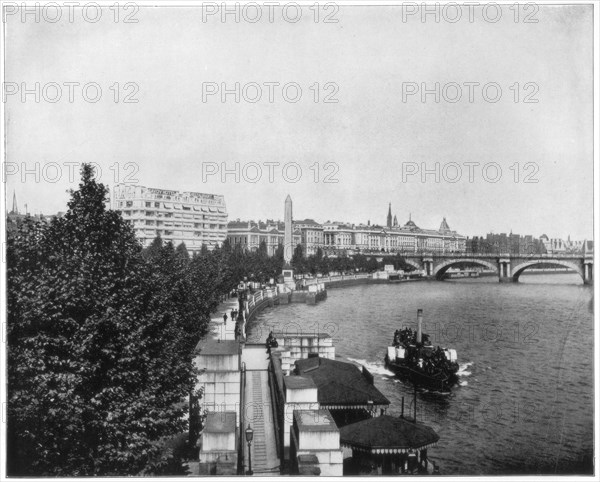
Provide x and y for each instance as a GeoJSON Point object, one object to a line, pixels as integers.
{"type": "Point", "coordinates": [259, 412]}
{"type": "Point", "coordinates": [218, 329]}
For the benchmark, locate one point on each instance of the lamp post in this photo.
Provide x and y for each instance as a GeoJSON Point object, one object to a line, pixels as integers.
{"type": "Point", "coordinates": [249, 437]}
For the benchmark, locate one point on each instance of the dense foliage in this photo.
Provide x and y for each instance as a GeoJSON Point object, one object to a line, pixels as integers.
{"type": "Point", "coordinates": [101, 336]}
{"type": "Point", "coordinates": [236, 263]}
{"type": "Point", "coordinates": [100, 342]}
{"type": "Point", "coordinates": [319, 263]}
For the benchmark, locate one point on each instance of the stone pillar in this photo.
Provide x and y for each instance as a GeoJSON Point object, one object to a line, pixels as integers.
{"type": "Point", "coordinates": [288, 248]}
{"type": "Point", "coordinates": [504, 273]}
{"type": "Point", "coordinates": [428, 266]}
{"type": "Point", "coordinates": [588, 270]}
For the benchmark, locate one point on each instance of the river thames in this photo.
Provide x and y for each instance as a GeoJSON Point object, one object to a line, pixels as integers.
{"type": "Point", "coordinates": [525, 399]}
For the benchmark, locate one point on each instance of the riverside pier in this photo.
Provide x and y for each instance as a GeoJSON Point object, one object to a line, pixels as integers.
{"type": "Point", "coordinates": [280, 410]}
{"type": "Point", "coordinates": [298, 400]}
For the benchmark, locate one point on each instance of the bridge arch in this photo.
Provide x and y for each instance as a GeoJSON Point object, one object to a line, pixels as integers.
{"type": "Point", "coordinates": [413, 263]}
{"type": "Point", "coordinates": [440, 269]}
{"type": "Point", "coordinates": [518, 269]}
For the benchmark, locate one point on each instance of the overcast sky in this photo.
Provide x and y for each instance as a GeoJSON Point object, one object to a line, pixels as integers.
{"type": "Point", "coordinates": [369, 141]}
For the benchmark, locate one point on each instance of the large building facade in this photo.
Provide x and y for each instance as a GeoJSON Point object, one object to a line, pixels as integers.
{"type": "Point", "coordinates": [503, 243]}
{"type": "Point", "coordinates": [311, 235]}
{"type": "Point", "coordinates": [368, 238]}
{"type": "Point", "coordinates": [339, 238]}
{"type": "Point", "coordinates": [192, 218]}
{"type": "Point", "coordinates": [250, 234]}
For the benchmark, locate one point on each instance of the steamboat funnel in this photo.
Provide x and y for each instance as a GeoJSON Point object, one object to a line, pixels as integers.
{"type": "Point", "coordinates": [419, 326]}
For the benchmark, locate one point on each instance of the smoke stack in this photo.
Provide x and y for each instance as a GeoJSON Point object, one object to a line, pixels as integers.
{"type": "Point", "coordinates": [419, 325]}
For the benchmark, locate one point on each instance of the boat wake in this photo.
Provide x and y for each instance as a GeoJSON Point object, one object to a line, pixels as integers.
{"type": "Point", "coordinates": [462, 369]}
{"type": "Point", "coordinates": [374, 368]}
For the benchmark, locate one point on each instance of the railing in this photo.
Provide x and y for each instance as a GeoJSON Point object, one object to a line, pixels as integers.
{"type": "Point", "coordinates": [278, 408]}
{"type": "Point", "coordinates": [241, 460]}
{"type": "Point", "coordinates": [260, 296]}
{"type": "Point", "coordinates": [332, 279]}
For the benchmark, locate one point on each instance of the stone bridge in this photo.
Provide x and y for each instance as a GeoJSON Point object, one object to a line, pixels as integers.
{"type": "Point", "coordinates": [507, 266]}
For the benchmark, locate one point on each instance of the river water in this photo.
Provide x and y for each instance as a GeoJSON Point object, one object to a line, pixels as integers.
{"type": "Point", "coordinates": [525, 399]}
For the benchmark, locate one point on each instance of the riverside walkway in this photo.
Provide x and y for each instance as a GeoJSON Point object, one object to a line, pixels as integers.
{"type": "Point", "coordinates": [218, 329]}
{"type": "Point", "coordinates": [258, 412]}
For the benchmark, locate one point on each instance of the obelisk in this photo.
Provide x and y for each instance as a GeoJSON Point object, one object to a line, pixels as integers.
{"type": "Point", "coordinates": [287, 236]}
{"type": "Point", "coordinates": [288, 248]}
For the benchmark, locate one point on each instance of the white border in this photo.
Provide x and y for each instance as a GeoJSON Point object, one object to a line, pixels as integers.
{"type": "Point", "coordinates": [163, 3]}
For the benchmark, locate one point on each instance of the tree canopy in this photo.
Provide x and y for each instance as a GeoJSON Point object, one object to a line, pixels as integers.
{"type": "Point", "coordinates": [100, 342]}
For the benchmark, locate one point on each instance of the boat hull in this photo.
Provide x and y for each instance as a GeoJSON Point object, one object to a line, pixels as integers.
{"type": "Point", "coordinates": [440, 382]}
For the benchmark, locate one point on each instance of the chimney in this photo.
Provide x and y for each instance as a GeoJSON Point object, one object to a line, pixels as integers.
{"type": "Point", "coordinates": [419, 325]}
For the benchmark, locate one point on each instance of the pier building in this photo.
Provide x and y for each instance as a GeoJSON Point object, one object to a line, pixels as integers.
{"type": "Point", "coordinates": [388, 445]}
{"type": "Point", "coordinates": [347, 391]}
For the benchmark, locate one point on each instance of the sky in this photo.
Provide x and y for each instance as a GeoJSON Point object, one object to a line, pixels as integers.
{"type": "Point", "coordinates": [341, 124]}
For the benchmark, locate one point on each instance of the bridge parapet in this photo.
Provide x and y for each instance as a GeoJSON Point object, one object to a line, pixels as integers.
{"type": "Point", "coordinates": [508, 266]}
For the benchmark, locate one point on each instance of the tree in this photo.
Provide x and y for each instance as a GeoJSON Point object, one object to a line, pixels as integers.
{"type": "Point", "coordinates": [372, 264]}
{"type": "Point", "coordinates": [262, 250]}
{"type": "Point", "coordinates": [96, 372]}
{"type": "Point", "coordinates": [298, 261]}
{"type": "Point", "coordinates": [182, 253]}
{"type": "Point", "coordinates": [154, 249]}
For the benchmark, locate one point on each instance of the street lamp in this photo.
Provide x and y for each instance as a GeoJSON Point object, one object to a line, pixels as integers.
{"type": "Point", "coordinates": [249, 437]}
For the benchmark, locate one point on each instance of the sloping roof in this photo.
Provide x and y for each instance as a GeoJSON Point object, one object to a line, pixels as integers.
{"type": "Point", "coordinates": [339, 383]}
{"type": "Point", "coordinates": [237, 225]}
{"type": "Point", "coordinates": [387, 433]}
{"type": "Point", "coordinates": [294, 382]}
{"type": "Point", "coordinates": [307, 221]}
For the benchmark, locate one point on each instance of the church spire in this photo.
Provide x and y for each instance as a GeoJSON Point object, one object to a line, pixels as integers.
{"type": "Point", "coordinates": [15, 209]}
{"type": "Point", "coordinates": [389, 216]}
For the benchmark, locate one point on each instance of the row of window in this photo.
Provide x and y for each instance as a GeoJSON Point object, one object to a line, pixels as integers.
{"type": "Point", "coordinates": [189, 243]}
{"type": "Point", "coordinates": [168, 224]}
{"type": "Point", "coordinates": [175, 206]}
{"type": "Point", "coordinates": [177, 233]}
{"type": "Point", "coordinates": [151, 214]}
